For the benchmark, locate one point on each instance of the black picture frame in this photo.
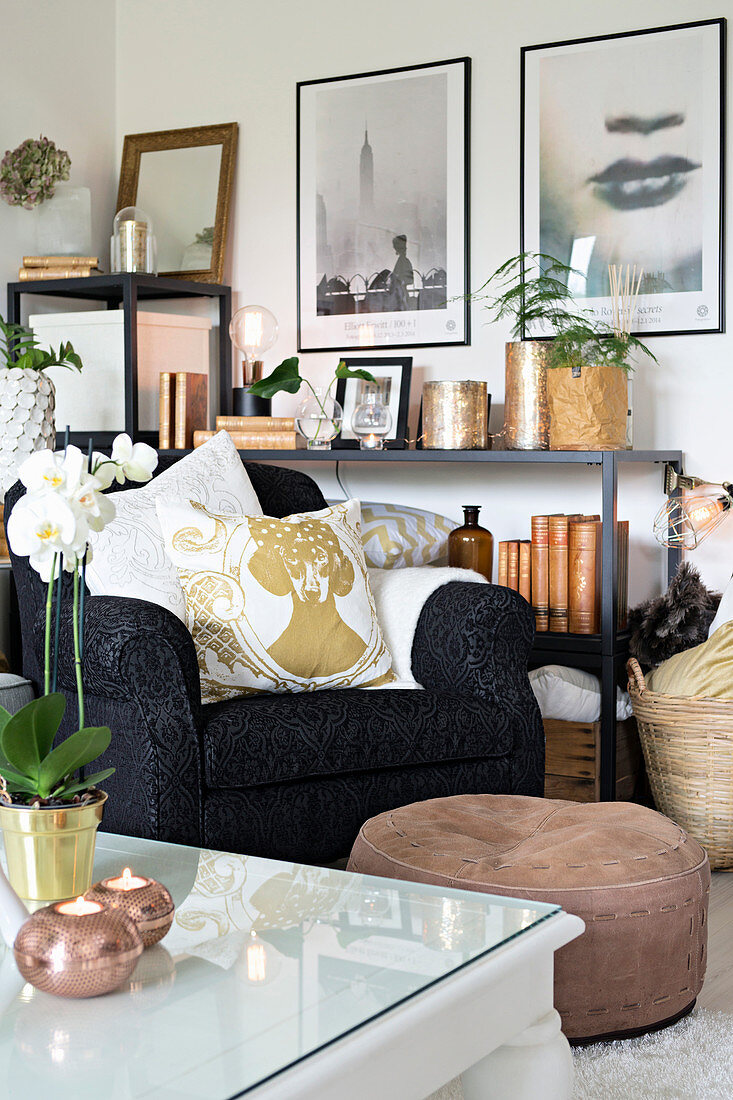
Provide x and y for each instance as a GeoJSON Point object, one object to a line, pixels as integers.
{"type": "Point", "coordinates": [401, 420]}
{"type": "Point", "coordinates": [456, 327]}
{"type": "Point", "coordinates": [662, 311]}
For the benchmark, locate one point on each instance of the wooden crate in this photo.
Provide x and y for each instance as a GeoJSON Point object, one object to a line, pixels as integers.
{"type": "Point", "coordinates": [573, 754]}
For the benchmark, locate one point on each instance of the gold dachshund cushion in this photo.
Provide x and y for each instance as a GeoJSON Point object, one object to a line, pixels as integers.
{"type": "Point", "coordinates": [276, 604]}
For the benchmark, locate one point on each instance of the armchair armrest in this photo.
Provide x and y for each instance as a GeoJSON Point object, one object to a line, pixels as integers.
{"type": "Point", "coordinates": [141, 679]}
{"type": "Point", "coordinates": [476, 639]}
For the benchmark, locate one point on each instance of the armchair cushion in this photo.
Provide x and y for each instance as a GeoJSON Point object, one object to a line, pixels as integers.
{"type": "Point", "coordinates": [278, 605]}
{"type": "Point", "coordinates": [264, 739]}
{"type": "Point", "coordinates": [128, 556]}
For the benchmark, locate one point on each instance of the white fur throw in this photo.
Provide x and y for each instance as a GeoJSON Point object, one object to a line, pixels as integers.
{"type": "Point", "coordinates": [400, 595]}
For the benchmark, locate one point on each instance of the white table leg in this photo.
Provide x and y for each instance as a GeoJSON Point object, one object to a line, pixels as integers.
{"type": "Point", "coordinates": [537, 1063]}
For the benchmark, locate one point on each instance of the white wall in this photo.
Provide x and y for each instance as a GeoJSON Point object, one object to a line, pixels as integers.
{"type": "Point", "coordinates": [58, 80]}
{"type": "Point", "coordinates": [182, 63]}
{"type": "Point", "coordinates": [206, 62]}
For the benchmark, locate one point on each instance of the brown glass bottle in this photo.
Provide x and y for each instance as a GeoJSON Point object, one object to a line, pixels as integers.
{"type": "Point", "coordinates": [471, 546]}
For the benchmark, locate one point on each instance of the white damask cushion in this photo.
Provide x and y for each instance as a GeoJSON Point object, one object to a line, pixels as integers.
{"type": "Point", "coordinates": [128, 556]}
{"type": "Point", "coordinates": [278, 605]}
{"type": "Point", "coordinates": [396, 537]}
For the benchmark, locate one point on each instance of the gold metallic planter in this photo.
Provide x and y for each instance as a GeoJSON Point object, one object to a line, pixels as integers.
{"type": "Point", "coordinates": [455, 416]}
{"type": "Point", "coordinates": [50, 852]}
{"type": "Point", "coordinates": [526, 412]}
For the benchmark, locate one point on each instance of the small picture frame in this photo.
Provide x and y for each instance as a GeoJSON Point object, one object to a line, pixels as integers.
{"type": "Point", "coordinates": [393, 378]}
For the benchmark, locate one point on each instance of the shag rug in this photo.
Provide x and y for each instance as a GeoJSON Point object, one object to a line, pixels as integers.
{"type": "Point", "coordinates": [693, 1060]}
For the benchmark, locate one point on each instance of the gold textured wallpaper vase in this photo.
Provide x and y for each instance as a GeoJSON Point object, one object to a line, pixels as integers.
{"type": "Point", "coordinates": [526, 411]}
{"type": "Point", "coordinates": [455, 416]}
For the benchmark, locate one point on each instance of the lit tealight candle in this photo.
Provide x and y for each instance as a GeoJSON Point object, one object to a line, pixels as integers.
{"type": "Point", "coordinates": [145, 901]}
{"type": "Point", "coordinates": [127, 881]}
{"type": "Point", "coordinates": [79, 908]}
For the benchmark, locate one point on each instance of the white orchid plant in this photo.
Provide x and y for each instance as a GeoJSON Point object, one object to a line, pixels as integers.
{"type": "Point", "coordinates": [51, 525]}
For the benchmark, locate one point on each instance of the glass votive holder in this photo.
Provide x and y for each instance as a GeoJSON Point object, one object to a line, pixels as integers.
{"type": "Point", "coordinates": [371, 421]}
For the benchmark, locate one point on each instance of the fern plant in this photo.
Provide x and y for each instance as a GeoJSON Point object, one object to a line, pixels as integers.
{"type": "Point", "coordinates": [532, 289]}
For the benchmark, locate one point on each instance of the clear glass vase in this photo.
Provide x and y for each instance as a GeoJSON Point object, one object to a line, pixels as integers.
{"type": "Point", "coordinates": [319, 419]}
{"type": "Point", "coordinates": [371, 421]}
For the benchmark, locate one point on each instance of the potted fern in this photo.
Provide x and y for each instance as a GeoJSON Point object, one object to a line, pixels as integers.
{"type": "Point", "coordinates": [567, 388]}
{"type": "Point", "coordinates": [49, 808]}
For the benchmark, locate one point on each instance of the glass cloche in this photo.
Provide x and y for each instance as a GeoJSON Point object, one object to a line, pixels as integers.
{"type": "Point", "coordinates": [133, 242]}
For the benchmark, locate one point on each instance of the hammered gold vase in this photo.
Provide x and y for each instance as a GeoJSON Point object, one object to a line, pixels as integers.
{"type": "Point", "coordinates": [526, 411]}
{"type": "Point", "coordinates": [50, 851]}
{"type": "Point", "coordinates": [455, 416]}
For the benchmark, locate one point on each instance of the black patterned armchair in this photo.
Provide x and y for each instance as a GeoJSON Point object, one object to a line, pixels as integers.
{"type": "Point", "coordinates": [294, 776]}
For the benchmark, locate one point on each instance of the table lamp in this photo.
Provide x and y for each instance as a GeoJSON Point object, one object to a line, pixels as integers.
{"type": "Point", "coordinates": [253, 330]}
{"type": "Point", "coordinates": [686, 521]}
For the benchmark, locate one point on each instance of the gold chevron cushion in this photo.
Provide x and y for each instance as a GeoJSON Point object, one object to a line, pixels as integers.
{"type": "Point", "coordinates": [396, 537]}
{"type": "Point", "coordinates": [276, 604]}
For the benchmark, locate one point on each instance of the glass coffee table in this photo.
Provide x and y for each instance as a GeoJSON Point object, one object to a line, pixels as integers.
{"type": "Point", "coordinates": [279, 980]}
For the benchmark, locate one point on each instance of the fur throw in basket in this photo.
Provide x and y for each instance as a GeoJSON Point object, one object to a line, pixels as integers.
{"type": "Point", "coordinates": [675, 621]}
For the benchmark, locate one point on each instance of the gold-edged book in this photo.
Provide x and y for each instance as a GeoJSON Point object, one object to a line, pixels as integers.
{"type": "Point", "coordinates": [254, 441]}
{"type": "Point", "coordinates": [190, 406]}
{"type": "Point", "coordinates": [35, 274]}
{"type": "Point", "coordinates": [255, 424]}
{"type": "Point", "coordinates": [166, 410]}
{"type": "Point", "coordinates": [61, 261]}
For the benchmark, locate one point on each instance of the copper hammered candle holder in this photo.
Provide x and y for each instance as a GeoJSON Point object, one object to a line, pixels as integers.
{"type": "Point", "coordinates": [455, 416]}
{"type": "Point", "coordinates": [146, 902]}
{"type": "Point", "coordinates": [72, 955]}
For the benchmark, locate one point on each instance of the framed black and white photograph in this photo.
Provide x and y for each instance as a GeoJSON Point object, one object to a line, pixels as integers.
{"type": "Point", "coordinates": [383, 207]}
{"type": "Point", "coordinates": [392, 381]}
{"type": "Point", "coordinates": [622, 163]}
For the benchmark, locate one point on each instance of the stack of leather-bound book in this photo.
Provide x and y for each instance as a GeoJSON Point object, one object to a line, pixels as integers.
{"type": "Point", "coordinates": [558, 571]}
{"type": "Point", "coordinates": [254, 433]}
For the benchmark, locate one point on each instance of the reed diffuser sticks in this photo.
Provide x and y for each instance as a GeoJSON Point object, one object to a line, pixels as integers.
{"type": "Point", "coordinates": [625, 287]}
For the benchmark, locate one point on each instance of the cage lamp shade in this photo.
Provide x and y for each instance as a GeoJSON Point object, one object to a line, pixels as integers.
{"type": "Point", "coordinates": [683, 522]}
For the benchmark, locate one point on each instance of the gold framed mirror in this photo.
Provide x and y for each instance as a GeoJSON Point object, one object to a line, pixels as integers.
{"type": "Point", "coordinates": [183, 180]}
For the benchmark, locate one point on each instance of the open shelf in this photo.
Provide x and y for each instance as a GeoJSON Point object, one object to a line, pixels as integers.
{"type": "Point", "coordinates": [588, 458]}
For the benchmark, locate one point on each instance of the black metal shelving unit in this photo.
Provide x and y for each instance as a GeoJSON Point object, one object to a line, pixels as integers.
{"type": "Point", "coordinates": [605, 653]}
{"type": "Point", "coordinates": [126, 290]}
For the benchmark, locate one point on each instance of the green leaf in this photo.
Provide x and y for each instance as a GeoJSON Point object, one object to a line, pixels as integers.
{"type": "Point", "coordinates": [27, 737]}
{"type": "Point", "coordinates": [284, 377]}
{"type": "Point", "coordinates": [89, 781]}
{"type": "Point", "coordinates": [342, 371]}
{"type": "Point", "coordinates": [5, 717]}
{"type": "Point", "coordinates": [75, 752]}
{"type": "Point", "coordinates": [14, 781]}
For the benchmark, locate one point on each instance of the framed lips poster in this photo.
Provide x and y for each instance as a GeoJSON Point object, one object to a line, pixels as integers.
{"type": "Point", "coordinates": [622, 154]}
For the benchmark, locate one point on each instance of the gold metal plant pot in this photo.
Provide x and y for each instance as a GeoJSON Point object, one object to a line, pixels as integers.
{"type": "Point", "coordinates": [526, 413]}
{"type": "Point", "coordinates": [50, 852]}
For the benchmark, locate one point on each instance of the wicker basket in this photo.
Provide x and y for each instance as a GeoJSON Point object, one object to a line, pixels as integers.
{"type": "Point", "coordinates": [688, 750]}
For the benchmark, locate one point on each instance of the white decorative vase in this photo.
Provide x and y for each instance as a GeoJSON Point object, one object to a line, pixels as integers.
{"type": "Point", "coordinates": [27, 404]}
{"type": "Point", "coordinates": [64, 222]}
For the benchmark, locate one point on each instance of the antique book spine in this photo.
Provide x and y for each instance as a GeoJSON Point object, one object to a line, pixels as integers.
{"type": "Point", "coordinates": [525, 569]}
{"type": "Point", "coordinates": [540, 576]}
{"type": "Point", "coordinates": [26, 274]}
{"type": "Point", "coordinates": [166, 410]}
{"type": "Point", "coordinates": [623, 574]}
{"type": "Point", "coordinates": [190, 406]}
{"type": "Point", "coordinates": [254, 441]}
{"type": "Point", "coordinates": [558, 572]}
{"type": "Point", "coordinates": [255, 424]}
{"type": "Point", "coordinates": [502, 576]}
{"type": "Point", "coordinates": [60, 261]}
{"type": "Point", "coordinates": [512, 566]}
{"type": "Point", "coordinates": [583, 545]}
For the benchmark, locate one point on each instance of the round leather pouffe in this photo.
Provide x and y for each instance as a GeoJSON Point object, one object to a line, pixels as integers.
{"type": "Point", "coordinates": [638, 881]}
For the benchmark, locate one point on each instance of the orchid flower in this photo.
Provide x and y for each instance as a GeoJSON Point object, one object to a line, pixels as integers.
{"type": "Point", "coordinates": [134, 460]}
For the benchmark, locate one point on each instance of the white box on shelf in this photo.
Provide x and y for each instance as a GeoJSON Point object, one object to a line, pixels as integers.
{"type": "Point", "coordinates": [94, 401]}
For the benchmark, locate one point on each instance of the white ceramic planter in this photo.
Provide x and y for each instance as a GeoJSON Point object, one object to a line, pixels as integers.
{"type": "Point", "coordinates": [27, 404]}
